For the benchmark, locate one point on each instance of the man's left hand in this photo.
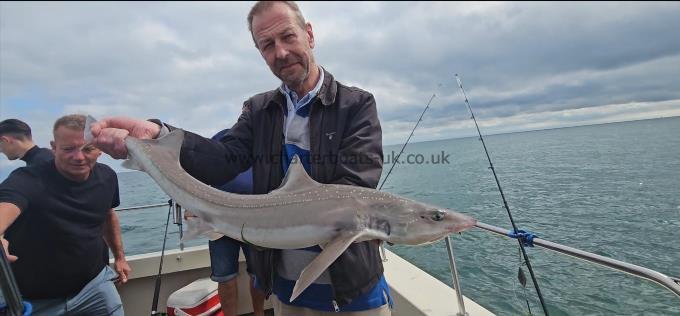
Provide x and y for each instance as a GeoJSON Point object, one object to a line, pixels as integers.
{"type": "Point", "coordinates": [123, 269]}
{"type": "Point", "coordinates": [5, 248]}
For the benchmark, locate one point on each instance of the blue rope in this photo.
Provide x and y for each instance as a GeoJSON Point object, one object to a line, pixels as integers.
{"type": "Point", "coordinates": [28, 308]}
{"type": "Point", "coordinates": [526, 237]}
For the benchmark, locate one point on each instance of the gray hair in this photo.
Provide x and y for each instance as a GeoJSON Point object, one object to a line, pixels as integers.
{"type": "Point", "coordinates": [262, 6]}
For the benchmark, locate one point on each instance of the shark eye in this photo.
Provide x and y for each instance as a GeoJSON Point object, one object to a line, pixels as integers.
{"type": "Point", "coordinates": [438, 216]}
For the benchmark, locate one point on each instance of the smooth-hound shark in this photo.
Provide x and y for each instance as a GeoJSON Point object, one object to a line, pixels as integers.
{"type": "Point", "coordinates": [300, 213]}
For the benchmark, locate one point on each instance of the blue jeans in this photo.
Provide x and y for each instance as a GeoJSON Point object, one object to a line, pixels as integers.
{"type": "Point", "coordinates": [98, 297]}
{"type": "Point", "coordinates": [224, 258]}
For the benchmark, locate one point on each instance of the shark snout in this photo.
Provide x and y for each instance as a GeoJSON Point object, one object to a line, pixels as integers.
{"type": "Point", "coordinates": [464, 226]}
{"type": "Point", "coordinates": [460, 222]}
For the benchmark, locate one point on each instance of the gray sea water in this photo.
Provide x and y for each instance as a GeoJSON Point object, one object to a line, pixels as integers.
{"type": "Point", "coordinates": [610, 189]}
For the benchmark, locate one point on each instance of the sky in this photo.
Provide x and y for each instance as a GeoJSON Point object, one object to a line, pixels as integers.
{"type": "Point", "coordinates": [525, 66]}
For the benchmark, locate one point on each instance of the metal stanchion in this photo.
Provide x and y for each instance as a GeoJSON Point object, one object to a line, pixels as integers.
{"type": "Point", "coordinates": [454, 274]}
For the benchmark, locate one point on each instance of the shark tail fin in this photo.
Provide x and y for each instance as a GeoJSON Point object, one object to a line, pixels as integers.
{"type": "Point", "coordinates": [171, 143]}
{"type": "Point", "coordinates": [132, 164]}
{"type": "Point", "coordinates": [166, 148]}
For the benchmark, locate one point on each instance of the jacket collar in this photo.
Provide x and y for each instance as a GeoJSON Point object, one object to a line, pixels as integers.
{"type": "Point", "coordinates": [329, 89]}
{"type": "Point", "coordinates": [326, 94]}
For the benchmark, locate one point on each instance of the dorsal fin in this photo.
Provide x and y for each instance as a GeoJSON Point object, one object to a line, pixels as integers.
{"type": "Point", "coordinates": [296, 178]}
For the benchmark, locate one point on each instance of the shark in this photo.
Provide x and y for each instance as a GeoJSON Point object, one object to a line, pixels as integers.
{"type": "Point", "coordinates": [300, 213]}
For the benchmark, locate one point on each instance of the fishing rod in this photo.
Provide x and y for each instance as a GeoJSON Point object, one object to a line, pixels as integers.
{"type": "Point", "coordinates": [505, 203]}
{"type": "Point", "coordinates": [13, 304]}
{"type": "Point", "coordinates": [449, 246]}
{"type": "Point", "coordinates": [394, 163]}
{"type": "Point", "coordinates": [157, 288]}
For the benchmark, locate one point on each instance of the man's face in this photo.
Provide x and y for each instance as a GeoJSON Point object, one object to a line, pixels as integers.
{"type": "Point", "coordinates": [72, 160]}
{"type": "Point", "coordinates": [9, 147]}
{"type": "Point", "coordinates": [284, 44]}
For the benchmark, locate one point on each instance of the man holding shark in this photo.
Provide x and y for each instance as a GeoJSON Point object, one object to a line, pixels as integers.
{"type": "Point", "coordinates": [332, 127]}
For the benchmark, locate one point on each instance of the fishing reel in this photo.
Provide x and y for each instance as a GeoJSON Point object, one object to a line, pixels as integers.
{"type": "Point", "coordinates": [178, 218]}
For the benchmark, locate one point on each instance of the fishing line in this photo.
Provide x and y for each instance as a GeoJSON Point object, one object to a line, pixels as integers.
{"type": "Point", "coordinates": [505, 203]}
{"type": "Point", "coordinates": [157, 288]}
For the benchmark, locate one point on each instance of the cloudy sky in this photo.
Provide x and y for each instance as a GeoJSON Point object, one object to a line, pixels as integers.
{"type": "Point", "coordinates": [525, 66]}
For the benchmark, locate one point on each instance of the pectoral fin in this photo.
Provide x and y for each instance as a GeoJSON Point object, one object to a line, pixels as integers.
{"type": "Point", "coordinates": [331, 251]}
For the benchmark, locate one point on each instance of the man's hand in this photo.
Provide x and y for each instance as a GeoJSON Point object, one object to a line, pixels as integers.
{"type": "Point", "coordinates": [188, 215]}
{"type": "Point", "coordinates": [109, 134]}
{"type": "Point", "coordinates": [5, 247]}
{"type": "Point", "coordinates": [123, 269]}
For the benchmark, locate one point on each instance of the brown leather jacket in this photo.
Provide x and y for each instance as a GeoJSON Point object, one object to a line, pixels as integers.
{"type": "Point", "coordinates": [346, 148]}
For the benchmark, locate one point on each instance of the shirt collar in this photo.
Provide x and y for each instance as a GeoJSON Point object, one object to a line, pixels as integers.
{"type": "Point", "coordinates": [30, 153]}
{"type": "Point", "coordinates": [294, 100]}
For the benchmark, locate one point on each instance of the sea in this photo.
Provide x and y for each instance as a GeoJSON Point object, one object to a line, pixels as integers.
{"type": "Point", "coordinates": [610, 189]}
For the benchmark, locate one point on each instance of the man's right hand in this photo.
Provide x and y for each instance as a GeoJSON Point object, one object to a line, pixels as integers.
{"type": "Point", "coordinates": [109, 134]}
{"type": "Point", "coordinates": [188, 215]}
{"type": "Point", "coordinates": [5, 247]}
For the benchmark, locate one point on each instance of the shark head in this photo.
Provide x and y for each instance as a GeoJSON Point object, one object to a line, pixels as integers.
{"type": "Point", "coordinates": [416, 223]}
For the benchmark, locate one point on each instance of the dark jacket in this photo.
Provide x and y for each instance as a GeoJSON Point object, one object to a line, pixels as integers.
{"type": "Point", "coordinates": [346, 148]}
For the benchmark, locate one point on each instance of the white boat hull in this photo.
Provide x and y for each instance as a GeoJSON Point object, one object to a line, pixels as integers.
{"type": "Point", "coordinates": [414, 291]}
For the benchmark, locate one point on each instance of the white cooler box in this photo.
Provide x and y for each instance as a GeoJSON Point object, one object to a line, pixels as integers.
{"type": "Point", "coordinates": [198, 298]}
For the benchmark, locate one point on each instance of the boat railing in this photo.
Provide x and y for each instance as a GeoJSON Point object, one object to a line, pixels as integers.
{"type": "Point", "coordinates": [130, 208]}
{"type": "Point", "coordinates": [670, 283]}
